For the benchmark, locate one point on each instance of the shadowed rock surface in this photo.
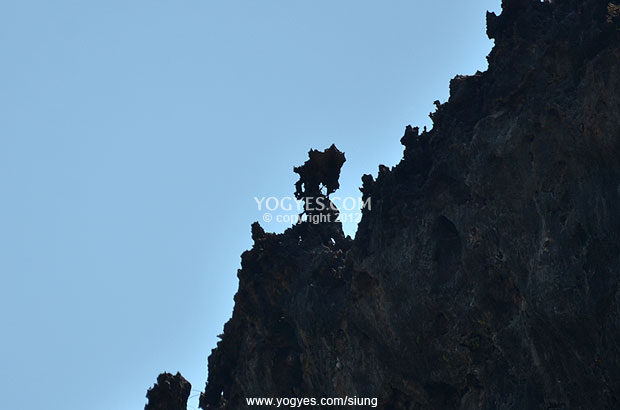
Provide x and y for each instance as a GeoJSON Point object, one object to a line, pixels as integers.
{"type": "Point", "coordinates": [169, 393]}
{"type": "Point", "coordinates": [486, 273]}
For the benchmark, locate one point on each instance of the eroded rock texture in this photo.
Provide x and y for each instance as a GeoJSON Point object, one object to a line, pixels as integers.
{"type": "Point", "coordinates": [486, 273]}
{"type": "Point", "coordinates": [169, 393]}
{"type": "Point", "coordinates": [321, 170]}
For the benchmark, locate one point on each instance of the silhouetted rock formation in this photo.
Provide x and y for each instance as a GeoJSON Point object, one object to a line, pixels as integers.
{"type": "Point", "coordinates": [322, 169]}
{"type": "Point", "coordinates": [169, 393]}
{"type": "Point", "coordinates": [486, 275]}
{"type": "Point", "coordinates": [320, 172]}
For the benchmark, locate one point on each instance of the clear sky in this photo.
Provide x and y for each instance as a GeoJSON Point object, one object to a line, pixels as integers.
{"type": "Point", "coordinates": [134, 136]}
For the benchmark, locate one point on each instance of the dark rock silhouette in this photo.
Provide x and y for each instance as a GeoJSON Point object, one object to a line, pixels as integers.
{"type": "Point", "coordinates": [169, 393]}
{"type": "Point", "coordinates": [487, 273]}
{"type": "Point", "coordinates": [321, 170]}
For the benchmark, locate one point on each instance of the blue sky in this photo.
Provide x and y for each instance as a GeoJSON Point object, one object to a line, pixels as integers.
{"type": "Point", "coordinates": [134, 136]}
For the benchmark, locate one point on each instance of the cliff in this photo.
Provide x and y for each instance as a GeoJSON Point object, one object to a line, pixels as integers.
{"type": "Point", "coordinates": [486, 273]}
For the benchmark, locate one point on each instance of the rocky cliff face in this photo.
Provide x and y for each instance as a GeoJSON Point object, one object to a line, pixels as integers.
{"type": "Point", "coordinates": [486, 273]}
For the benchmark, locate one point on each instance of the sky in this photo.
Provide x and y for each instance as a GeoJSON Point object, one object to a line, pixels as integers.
{"type": "Point", "coordinates": [135, 140]}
